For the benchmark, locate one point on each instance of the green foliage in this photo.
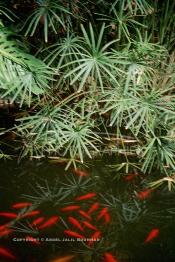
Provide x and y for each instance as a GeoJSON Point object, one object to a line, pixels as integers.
{"type": "Point", "coordinates": [95, 64]}
{"type": "Point", "coordinates": [21, 75]}
{"type": "Point", "coordinates": [84, 79]}
{"type": "Point", "coordinates": [58, 130]}
{"type": "Point", "coordinates": [48, 13]}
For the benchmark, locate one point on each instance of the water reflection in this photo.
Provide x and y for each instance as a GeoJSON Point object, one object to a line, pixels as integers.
{"type": "Point", "coordinates": [82, 218]}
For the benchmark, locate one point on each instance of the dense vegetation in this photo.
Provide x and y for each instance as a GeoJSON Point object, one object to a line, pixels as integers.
{"type": "Point", "coordinates": [91, 77]}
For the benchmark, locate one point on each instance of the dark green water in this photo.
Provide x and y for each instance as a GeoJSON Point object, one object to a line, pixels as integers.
{"type": "Point", "coordinates": [50, 188]}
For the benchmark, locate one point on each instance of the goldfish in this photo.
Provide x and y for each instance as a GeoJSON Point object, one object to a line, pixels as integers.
{"type": "Point", "coordinates": [90, 226]}
{"type": "Point", "coordinates": [102, 213]}
{"type": "Point", "coordinates": [152, 235]}
{"type": "Point", "coordinates": [33, 240]}
{"type": "Point", "coordinates": [73, 234]}
{"type": "Point", "coordinates": [107, 218]}
{"type": "Point", "coordinates": [70, 208]}
{"type": "Point", "coordinates": [84, 214]}
{"type": "Point", "coordinates": [80, 172]}
{"type": "Point", "coordinates": [86, 196]}
{"type": "Point", "coordinates": [93, 208]}
{"type": "Point", "coordinates": [21, 205]}
{"type": "Point", "coordinates": [75, 223]}
{"type": "Point", "coordinates": [31, 213]}
{"type": "Point", "coordinates": [2, 227]}
{"type": "Point", "coordinates": [5, 232]}
{"type": "Point", "coordinates": [63, 259]}
{"type": "Point", "coordinates": [144, 194]}
{"type": "Point", "coordinates": [8, 215]}
{"type": "Point", "coordinates": [94, 238]}
{"type": "Point", "coordinates": [130, 177]}
{"type": "Point", "coordinates": [109, 257]}
{"type": "Point", "coordinates": [50, 222]}
{"type": "Point", "coordinates": [37, 221]}
{"type": "Point", "coordinates": [6, 253]}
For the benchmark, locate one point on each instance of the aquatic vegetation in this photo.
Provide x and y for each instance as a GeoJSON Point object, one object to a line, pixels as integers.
{"type": "Point", "coordinates": [96, 222]}
{"type": "Point", "coordinates": [43, 192]}
{"type": "Point", "coordinates": [74, 184]}
{"type": "Point", "coordinates": [124, 210]}
{"type": "Point", "coordinates": [25, 228]}
{"type": "Point", "coordinates": [170, 180]}
{"type": "Point", "coordinates": [89, 80]}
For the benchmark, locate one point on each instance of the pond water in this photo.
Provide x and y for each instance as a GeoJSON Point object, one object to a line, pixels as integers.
{"type": "Point", "coordinates": [124, 224]}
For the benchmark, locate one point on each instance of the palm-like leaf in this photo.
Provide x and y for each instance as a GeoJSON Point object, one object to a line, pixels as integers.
{"type": "Point", "coordinates": [159, 151]}
{"type": "Point", "coordinates": [148, 107]}
{"type": "Point", "coordinates": [22, 75]}
{"type": "Point", "coordinates": [46, 126]}
{"type": "Point", "coordinates": [47, 13]}
{"type": "Point", "coordinates": [95, 63]}
{"type": "Point", "coordinates": [122, 23]}
{"type": "Point", "coordinates": [66, 50]}
{"type": "Point", "coordinates": [80, 139]}
{"type": "Point", "coordinates": [6, 12]}
{"type": "Point", "coordinates": [118, 104]}
{"type": "Point", "coordinates": [20, 83]}
{"type": "Point", "coordinates": [139, 6]}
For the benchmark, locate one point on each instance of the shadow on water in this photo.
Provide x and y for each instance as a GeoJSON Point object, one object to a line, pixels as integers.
{"type": "Point", "coordinates": [50, 189]}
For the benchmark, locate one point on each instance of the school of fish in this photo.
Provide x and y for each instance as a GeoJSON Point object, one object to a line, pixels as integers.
{"type": "Point", "coordinates": [82, 224]}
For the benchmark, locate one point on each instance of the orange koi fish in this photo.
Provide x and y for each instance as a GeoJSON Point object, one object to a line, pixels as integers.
{"type": "Point", "coordinates": [109, 257]}
{"type": "Point", "coordinates": [80, 172]}
{"type": "Point", "coordinates": [90, 226]}
{"type": "Point", "coordinates": [21, 205]}
{"type": "Point", "coordinates": [107, 218]}
{"type": "Point", "coordinates": [8, 215]}
{"type": "Point", "coordinates": [32, 240]}
{"type": "Point", "coordinates": [84, 214]}
{"type": "Point", "coordinates": [70, 208]}
{"type": "Point", "coordinates": [50, 222]}
{"type": "Point", "coordinates": [102, 213]}
{"type": "Point", "coordinates": [5, 232]}
{"type": "Point", "coordinates": [93, 208]}
{"type": "Point", "coordinates": [130, 177]}
{"type": "Point", "coordinates": [4, 252]}
{"type": "Point", "coordinates": [31, 213]}
{"type": "Point", "coordinates": [152, 235]}
{"type": "Point", "coordinates": [5, 226]}
{"type": "Point", "coordinates": [63, 259]}
{"type": "Point", "coordinates": [37, 221]}
{"type": "Point", "coordinates": [144, 194]}
{"type": "Point", "coordinates": [94, 238]}
{"type": "Point", "coordinates": [86, 196]}
{"type": "Point", "coordinates": [73, 234]}
{"type": "Point", "coordinates": [75, 223]}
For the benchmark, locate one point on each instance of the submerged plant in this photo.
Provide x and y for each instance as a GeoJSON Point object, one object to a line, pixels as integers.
{"type": "Point", "coordinates": [74, 185]}
{"type": "Point", "coordinates": [45, 193]}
